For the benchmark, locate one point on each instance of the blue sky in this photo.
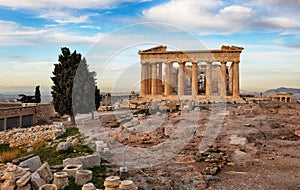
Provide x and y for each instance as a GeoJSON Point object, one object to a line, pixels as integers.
{"type": "Point", "coordinates": [32, 33]}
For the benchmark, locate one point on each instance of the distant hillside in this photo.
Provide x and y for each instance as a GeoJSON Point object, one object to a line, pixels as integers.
{"type": "Point", "coordinates": [295, 91]}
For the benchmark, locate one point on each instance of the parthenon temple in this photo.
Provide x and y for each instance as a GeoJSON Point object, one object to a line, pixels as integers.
{"type": "Point", "coordinates": [205, 74]}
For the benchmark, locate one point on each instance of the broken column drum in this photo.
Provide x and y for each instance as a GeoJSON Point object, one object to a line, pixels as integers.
{"type": "Point", "coordinates": [72, 169]}
{"type": "Point", "coordinates": [83, 176]}
{"type": "Point", "coordinates": [112, 182]}
{"type": "Point", "coordinates": [48, 187]}
{"type": "Point", "coordinates": [61, 180]}
{"type": "Point", "coordinates": [88, 186]}
{"type": "Point", "coordinates": [127, 184]}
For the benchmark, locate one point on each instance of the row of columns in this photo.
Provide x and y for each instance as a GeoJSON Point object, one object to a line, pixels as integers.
{"type": "Point", "coordinates": [282, 99]}
{"type": "Point", "coordinates": [152, 83]}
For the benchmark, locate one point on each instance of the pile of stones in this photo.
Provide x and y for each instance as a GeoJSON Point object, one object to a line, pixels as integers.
{"type": "Point", "coordinates": [215, 157]}
{"type": "Point", "coordinates": [28, 136]}
{"type": "Point", "coordinates": [31, 174]}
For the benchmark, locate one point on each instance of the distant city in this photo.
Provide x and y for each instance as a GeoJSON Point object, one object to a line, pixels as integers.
{"type": "Point", "coordinates": [47, 98]}
{"type": "Point", "coordinates": [13, 97]}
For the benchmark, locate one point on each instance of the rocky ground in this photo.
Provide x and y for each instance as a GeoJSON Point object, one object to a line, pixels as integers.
{"type": "Point", "coordinates": [224, 146]}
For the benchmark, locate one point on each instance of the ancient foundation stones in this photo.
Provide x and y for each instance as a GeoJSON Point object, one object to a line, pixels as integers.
{"type": "Point", "coordinates": [32, 163]}
{"type": "Point", "coordinates": [83, 176]}
{"type": "Point", "coordinates": [89, 161]}
{"type": "Point", "coordinates": [61, 180]}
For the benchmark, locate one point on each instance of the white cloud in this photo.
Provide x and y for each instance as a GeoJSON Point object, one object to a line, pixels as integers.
{"type": "Point", "coordinates": [90, 27]}
{"type": "Point", "coordinates": [13, 34]}
{"type": "Point", "coordinates": [282, 3]}
{"type": "Point", "coordinates": [279, 15]}
{"type": "Point", "coordinates": [77, 4]}
{"type": "Point", "coordinates": [210, 16]}
{"type": "Point", "coordinates": [283, 22]}
{"type": "Point", "coordinates": [236, 13]}
{"type": "Point", "coordinates": [204, 16]}
{"type": "Point", "coordinates": [64, 17]}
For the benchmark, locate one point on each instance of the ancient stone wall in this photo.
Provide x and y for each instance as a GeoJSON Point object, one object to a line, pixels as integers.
{"type": "Point", "coordinates": [43, 113]}
{"type": "Point", "coordinates": [13, 117]}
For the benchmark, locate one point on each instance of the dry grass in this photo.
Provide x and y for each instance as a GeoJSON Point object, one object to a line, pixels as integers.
{"type": "Point", "coordinates": [39, 144]}
{"type": "Point", "coordinates": [9, 155]}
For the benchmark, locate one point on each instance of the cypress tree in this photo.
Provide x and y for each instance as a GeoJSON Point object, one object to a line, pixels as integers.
{"type": "Point", "coordinates": [84, 89]}
{"type": "Point", "coordinates": [37, 95]}
{"type": "Point", "coordinates": [63, 77]}
{"type": "Point", "coordinates": [97, 97]}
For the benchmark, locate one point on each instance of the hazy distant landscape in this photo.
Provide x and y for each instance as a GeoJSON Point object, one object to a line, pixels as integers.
{"type": "Point", "coordinates": [13, 96]}
{"type": "Point", "coordinates": [47, 97]}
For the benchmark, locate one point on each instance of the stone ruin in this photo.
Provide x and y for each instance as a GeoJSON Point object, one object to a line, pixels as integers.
{"type": "Point", "coordinates": [202, 81]}
{"type": "Point", "coordinates": [29, 136]}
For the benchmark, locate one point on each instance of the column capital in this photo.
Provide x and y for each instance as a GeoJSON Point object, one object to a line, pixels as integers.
{"type": "Point", "coordinates": [208, 62]}
{"type": "Point", "coordinates": [194, 62]}
{"type": "Point", "coordinates": [181, 62]}
{"type": "Point", "coordinates": [223, 62]}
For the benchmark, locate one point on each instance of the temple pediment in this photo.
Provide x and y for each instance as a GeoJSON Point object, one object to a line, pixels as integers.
{"type": "Point", "coordinates": [154, 49]}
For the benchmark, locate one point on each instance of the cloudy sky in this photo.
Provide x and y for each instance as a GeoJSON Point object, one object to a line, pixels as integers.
{"type": "Point", "coordinates": [32, 32]}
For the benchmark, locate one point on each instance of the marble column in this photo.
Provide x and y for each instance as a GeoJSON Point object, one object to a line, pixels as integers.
{"type": "Point", "coordinates": [195, 79]}
{"type": "Point", "coordinates": [143, 80]}
{"type": "Point", "coordinates": [208, 79]}
{"type": "Point", "coordinates": [223, 79]}
{"type": "Point", "coordinates": [166, 83]}
{"type": "Point", "coordinates": [168, 87]}
{"type": "Point", "coordinates": [149, 78]}
{"type": "Point", "coordinates": [146, 79]}
{"type": "Point", "coordinates": [159, 80]}
{"type": "Point", "coordinates": [181, 81]}
{"type": "Point", "coordinates": [153, 79]}
{"type": "Point", "coordinates": [235, 80]}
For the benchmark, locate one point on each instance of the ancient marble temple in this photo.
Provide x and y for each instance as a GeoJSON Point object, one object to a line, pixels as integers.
{"type": "Point", "coordinates": [205, 74]}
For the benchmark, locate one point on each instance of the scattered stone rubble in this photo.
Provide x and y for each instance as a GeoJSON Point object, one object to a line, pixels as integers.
{"type": "Point", "coordinates": [250, 134]}
{"type": "Point", "coordinates": [25, 178]}
{"type": "Point", "coordinates": [15, 177]}
{"type": "Point", "coordinates": [28, 136]}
